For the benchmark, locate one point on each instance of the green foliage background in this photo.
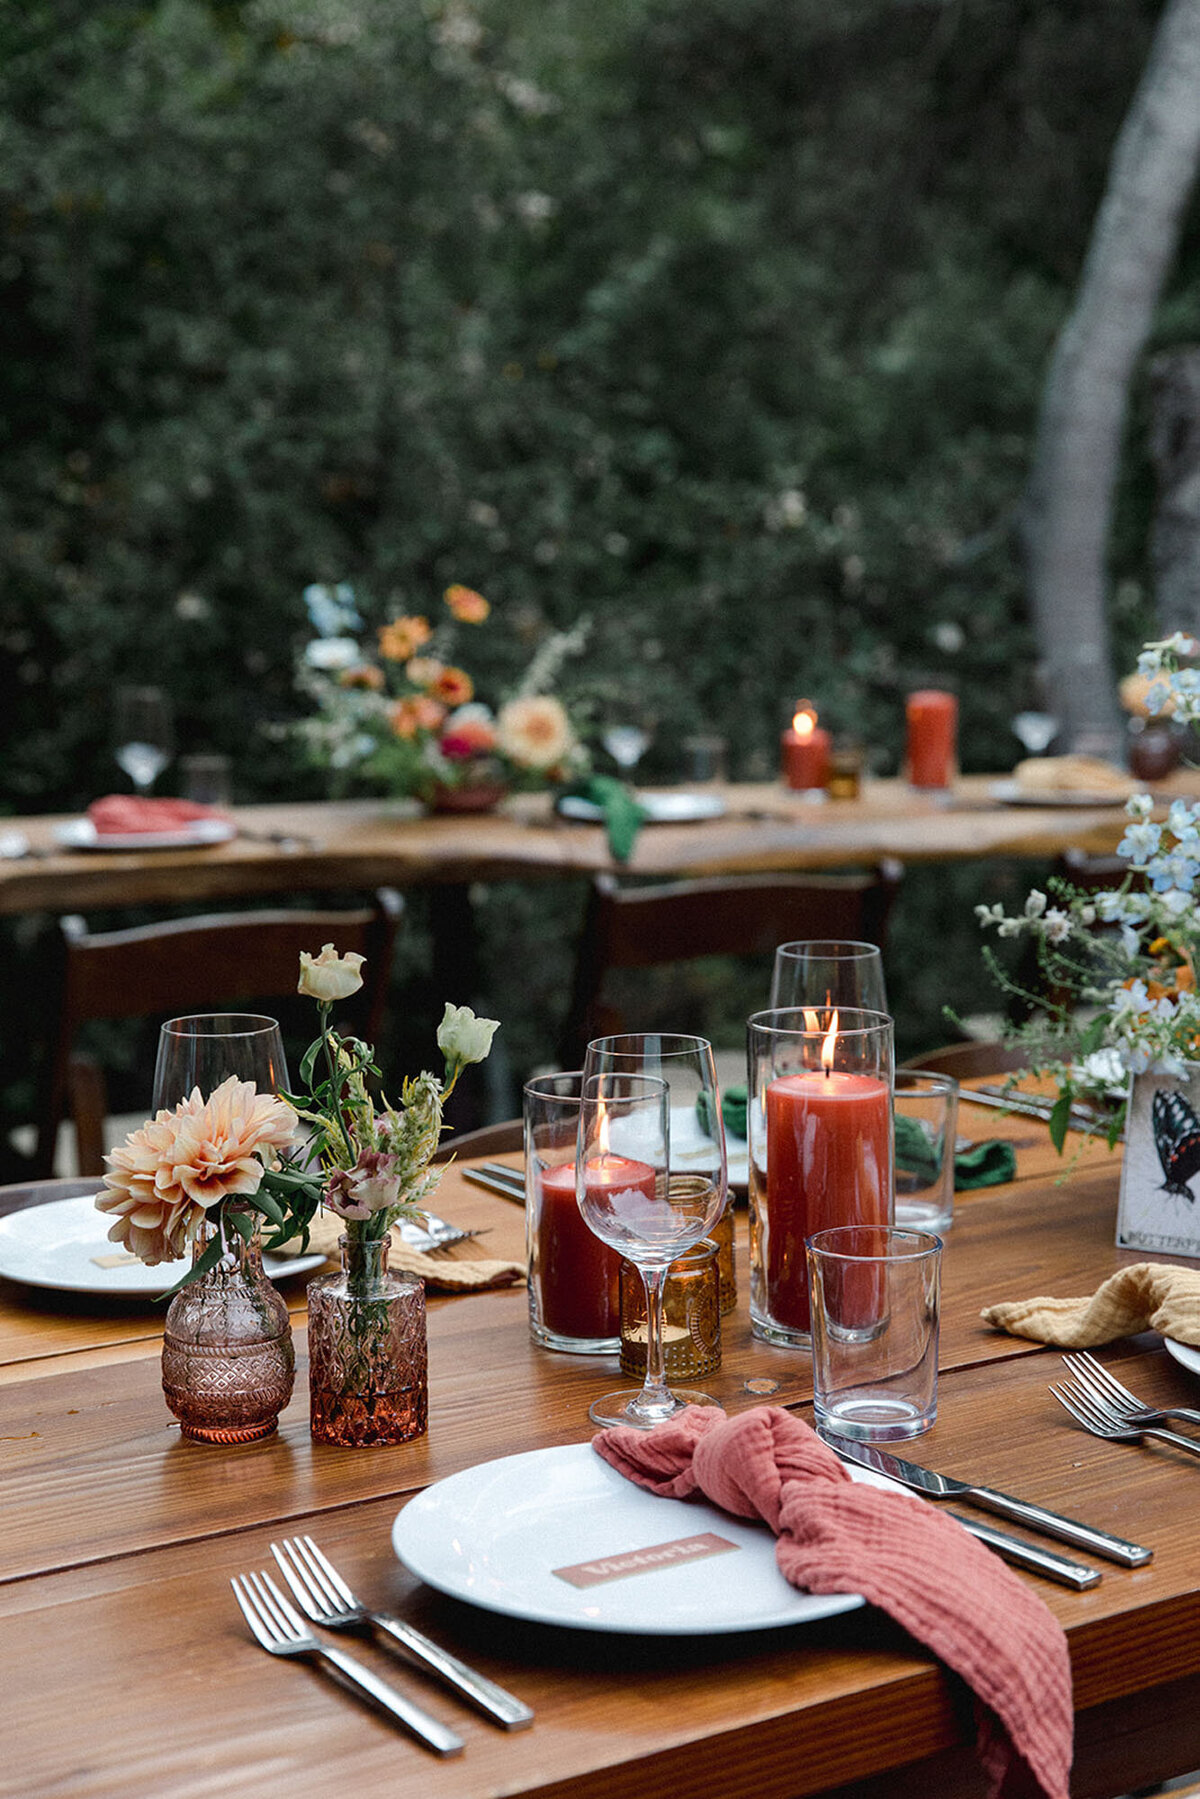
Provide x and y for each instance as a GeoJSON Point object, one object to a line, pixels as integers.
{"type": "Point", "coordinates": [720, 322]}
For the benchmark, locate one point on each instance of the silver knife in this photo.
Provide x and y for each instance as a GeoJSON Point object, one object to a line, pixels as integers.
{"type": "Point", "coordinates": [1027, 1555]}
{"type": "Point", "coordinates": [1027, 1107]}
{"type": "Point", "coordinates": [944, 1486]}
{"type": "Point", "coordinates": [494, 1185]}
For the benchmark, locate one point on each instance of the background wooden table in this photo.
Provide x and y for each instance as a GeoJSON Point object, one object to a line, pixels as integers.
{"type": "Point", "coordinates": [129, 1671]}
{"type": "Point", "coordinates": [368, 843]}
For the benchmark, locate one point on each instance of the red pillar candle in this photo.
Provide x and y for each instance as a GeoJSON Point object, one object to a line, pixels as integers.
{"type": "Point", "coordinates": [805, 747]}
{"type": "Point", "coordinates": [932, 718]}
{"type": "Point", "coordinates": [578, 1275]}
{"type": "Point", "coordinates": [829, 1162]}
{"type": "Point", "coordinates": [617, 1188]}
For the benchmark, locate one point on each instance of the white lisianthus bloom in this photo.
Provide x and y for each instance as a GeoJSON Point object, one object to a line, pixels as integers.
{"type": "Point", "coordinates": [463, 1038]}
{"type": "Point", "coordinates": [332, 653]}
{"type": "Point", "coordinates": [329, 977]}
{"type": "Point", "coordinates": [1103, 1068]}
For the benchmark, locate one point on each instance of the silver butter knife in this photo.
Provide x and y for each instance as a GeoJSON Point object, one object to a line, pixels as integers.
{"type": "Point", "coordinates": [1022, 1511]}
{"type": "Point", "coordinates": [1027, 1555]}
{"type": "Point", "coordinates": [493, 1183]}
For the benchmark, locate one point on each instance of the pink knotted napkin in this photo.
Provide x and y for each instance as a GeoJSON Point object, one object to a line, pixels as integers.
{"type": "Point", "coordinates": [921, 1567]}
{"type": "Point", "coordinates": [128, 814]}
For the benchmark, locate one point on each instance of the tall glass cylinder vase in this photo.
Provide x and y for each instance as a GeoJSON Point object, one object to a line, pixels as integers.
{"type": "Point", "coordinates": [821, 1147]}
{"type": "Point", "coordinates": [228, 1363]}
{"type": "Point", "coordinates": [367, 1357]}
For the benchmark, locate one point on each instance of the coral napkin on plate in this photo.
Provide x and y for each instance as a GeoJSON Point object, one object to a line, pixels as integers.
{"type": "Point", "coordinates": [127, 814]}
{"type": "Point", "coordinates": [842, 1536]}
{"type": "Point", "coordinates": [1143, 1297]}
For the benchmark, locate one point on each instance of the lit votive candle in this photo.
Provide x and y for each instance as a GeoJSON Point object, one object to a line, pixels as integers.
{"type": "Point", "coordinates": [805, 748]}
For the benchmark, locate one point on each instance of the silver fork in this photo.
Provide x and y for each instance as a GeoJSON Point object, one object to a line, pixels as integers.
{"type": "Point", "coordinates": [1098, 1379]}
{"type": "Point", "coordinates": [1096, 1417]}
{"type": "Point", "coordinates": [277, 1628]}
{"type": "Point", "coordinates": [324, 1596]}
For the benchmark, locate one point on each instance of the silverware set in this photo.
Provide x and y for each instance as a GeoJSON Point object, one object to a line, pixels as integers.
{"type": "Point", "coordinates": [326, 1600]}
{"type": "Point", "coordinates": [1098, 1401]}
{"type": "Point", "coordinates": [497, 1177]}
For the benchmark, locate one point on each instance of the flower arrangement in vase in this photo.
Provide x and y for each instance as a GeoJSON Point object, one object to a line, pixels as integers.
{"type": "Point", "coordinates": [405, 713]}
{"type": "Point", "coordinates": [366, 1326]}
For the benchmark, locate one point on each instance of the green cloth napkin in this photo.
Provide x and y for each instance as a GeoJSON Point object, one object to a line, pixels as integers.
{"type": "Point", "coordinates": [733, 1111]}
{"type": "Point", "coordinates": [623, 816]}
{"type": "Point", "coordinates": [988, 1164]}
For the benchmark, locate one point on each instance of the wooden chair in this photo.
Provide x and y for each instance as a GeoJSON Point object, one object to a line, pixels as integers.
{"type": "Point", "coordinates": [191, 965]}
{"type": "Point", "coordinates": [504, 1139]}
{"type": "Point", "coordinates": [966, 1060]}
{"type": "Point", "coordinates": [745, 915]}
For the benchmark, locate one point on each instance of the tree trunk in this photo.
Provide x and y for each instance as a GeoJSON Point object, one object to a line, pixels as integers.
{"type": "Point", "coordinates": [1175, 451]}
{"type": "Point", "coordinates": [1077, 452]}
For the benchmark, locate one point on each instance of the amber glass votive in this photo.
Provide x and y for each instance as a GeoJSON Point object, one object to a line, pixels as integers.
{"type": "Point", "coordinates": [846, 760]}
{"type": "Point", "coordinates": [691, 1315]}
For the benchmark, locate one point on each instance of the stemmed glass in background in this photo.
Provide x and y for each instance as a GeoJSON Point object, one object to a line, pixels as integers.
{"type": "Point", "coordinates": [143, 738]}
{"type": "Point", "coordinates": [202, 1051]}
{"type": "Point", "coordinates": [827, 972]}
{"type": "Point", "coordinates": [1036, 731]}
{"type": "Point", "coordinates": [631, 1200]}
{"type": "Point", "coordinates": [627, 736]}
{"type": "Point", "coordinates": [697, 1138]}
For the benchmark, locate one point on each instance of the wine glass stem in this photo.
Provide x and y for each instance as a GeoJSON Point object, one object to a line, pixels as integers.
{"type": "Point", "coordinates": [655, 1395]}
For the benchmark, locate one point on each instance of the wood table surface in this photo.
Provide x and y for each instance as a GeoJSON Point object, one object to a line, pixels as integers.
{"type": "Point", "coordinates": [128, 1671]}
{"type": "Point", "coordinates": [370, 843]}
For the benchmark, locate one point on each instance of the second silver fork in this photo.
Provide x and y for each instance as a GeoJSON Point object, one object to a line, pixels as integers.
{"type": "Point", "coordinates": [1099, 1380]}
{"type": "Point", "coordinates": [1099, 1418]}
{"type": "Point", "coordinates": [325, 1598]}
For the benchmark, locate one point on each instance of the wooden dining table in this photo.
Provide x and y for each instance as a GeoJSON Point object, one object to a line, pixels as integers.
{"type": "Point", "coordinates": [370, 843]}
{"type": "Point", "coordinates": [129, 1673]}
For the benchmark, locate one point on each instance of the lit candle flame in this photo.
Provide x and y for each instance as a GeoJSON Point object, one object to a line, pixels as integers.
{"type": "Point", "coordinates": [601, 1132]}
{"type": "Point", "coordinates": [804, 719]}
{"type": "Point", "coordinates": [829, 1045]}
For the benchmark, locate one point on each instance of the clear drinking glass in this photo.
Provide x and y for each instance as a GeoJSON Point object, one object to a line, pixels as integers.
{"type": "Point", "coordinates": [829, 972]}
{"type": "Point", "coordinates": [688, 1067]}
{"type": "Point", "coordinates": [143, 737]}
{"type": "Point", "coordinates": [574, 1277]}
{"type": "Point", "coordinates": [627, 733]}
{"type": "Point", "coordinates": [926, 1125]}
{"type": "Point", "coordinates": [820, 1134]}
{"type": "Point", "coordinates": [204, 1050]}
{"type": "Point", "coordinates": [631, 1200]}
{"type": "Point", "coordinates": [875, 1303]}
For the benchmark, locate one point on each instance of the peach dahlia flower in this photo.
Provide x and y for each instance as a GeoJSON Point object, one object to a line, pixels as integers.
{"type": "Point", "coordinates": [166, 1176]}
{"type": "Point", "coordinates": [469, 607]}
{"type": "Point", "coordinates": [535, 733]}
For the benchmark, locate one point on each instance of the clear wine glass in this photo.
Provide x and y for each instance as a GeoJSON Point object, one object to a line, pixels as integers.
{"type": "Point", "coordinates": [627, 736]}
{"type": "Point", "coordinates": [1036, 731]}
{"type": "Point", "coordinates": [202, 1051]}
{"type": "Point", "coordinates": [630, 1199]}
{"type": "Point", "coordinates": [143, 737]}
{"type": "Point", "coordinates": [688, 1067]}
{"type": "Point", "coordinates": [828, 972]}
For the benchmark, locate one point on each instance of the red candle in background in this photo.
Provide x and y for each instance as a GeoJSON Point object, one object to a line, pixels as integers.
{"type": "Point", "coordinates": [579, 1276]}
{"type": "Point", "coordinates": [620, 1183]}
{"type": "Point", "coordinates": [805, 749]}
{"type": "Point", "coordinates": [828, 1162]}
{"type": "Point", "coordinates": [932, 718]}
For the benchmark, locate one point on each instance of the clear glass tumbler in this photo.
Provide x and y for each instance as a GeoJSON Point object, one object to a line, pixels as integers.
{"type": "Point", "coordinates": [926, 1125]}
{"type": "Point", "coordinates": [875, 1295]}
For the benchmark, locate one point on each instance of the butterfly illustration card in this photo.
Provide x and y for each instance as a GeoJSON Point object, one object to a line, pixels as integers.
{"type": "Point", "coordinates": [1160, 1175]}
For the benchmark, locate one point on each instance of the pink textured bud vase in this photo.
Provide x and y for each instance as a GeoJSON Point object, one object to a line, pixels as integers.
{"type": "Point", "coordinates": [367, 1357]}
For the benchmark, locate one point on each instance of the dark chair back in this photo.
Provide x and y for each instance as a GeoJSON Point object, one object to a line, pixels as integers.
{"type": "Point", "coordinates": [192, 965]}
{"type": "Point", "coordinates": [744, 915]}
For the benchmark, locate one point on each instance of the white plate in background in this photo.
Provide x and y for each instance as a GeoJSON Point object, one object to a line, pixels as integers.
{"type": "Point", "coordinates": [668, 808]}
{"type": "Point", "coordinates": [56, 1246]}
{"type": "Point", "coordinates": [1184, 1354]}
{"type": "Point", "coordinates": [81, 834]}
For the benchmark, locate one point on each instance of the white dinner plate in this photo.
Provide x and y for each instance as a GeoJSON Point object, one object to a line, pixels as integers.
{"type": "Point", "coordinates": [496, 1534]}
{"type": "Point", "coordinates": [1184, 1354]}
{"type": "Point", "coordinates": [669, 808]}
{"type": "Point", "coordinates": [81, 834]}
{"type": "Point", "coordinates": [1011, 793]}
{"type": "Point", "coordinates": [57, 1246]}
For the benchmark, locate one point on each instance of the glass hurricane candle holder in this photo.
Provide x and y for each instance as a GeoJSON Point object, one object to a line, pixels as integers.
{"type": "Point", "coordinates": [574, 1294]}
{"type": "Point", "coordinates": [820, 1137]}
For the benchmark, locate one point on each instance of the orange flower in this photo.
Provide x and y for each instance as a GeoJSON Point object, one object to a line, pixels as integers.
{"type": "Point", "coordinates": [469, 607]}
{"type": "Point", "coordinates": [454, 686]}
{"type": "Point", "coordinates": [416, 713]}
{"type": "Point", "coordinates": [423, 671]}
{"type": "Point", "coordinates": [167, 1175]}
{"type": "Point", "coordinates": [363, 674]}
{"type": "Point", "coordinates": [403, 638]}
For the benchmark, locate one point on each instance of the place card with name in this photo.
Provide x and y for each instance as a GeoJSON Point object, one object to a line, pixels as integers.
{"type": "Point", "coordinates": [644, 1561]}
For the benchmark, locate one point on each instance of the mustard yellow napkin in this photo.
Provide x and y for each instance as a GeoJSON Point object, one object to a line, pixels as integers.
{"type": "Point", "coordinates": [443, 1273]}
{"type": "Point", "coordinates": [1145, 1296]}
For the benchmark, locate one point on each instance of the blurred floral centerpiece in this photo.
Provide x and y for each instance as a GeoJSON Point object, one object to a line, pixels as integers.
{"type": "Point", "coordinates": [1122, 961]}
{"type": "Point", "coordinates": [398, 707]}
